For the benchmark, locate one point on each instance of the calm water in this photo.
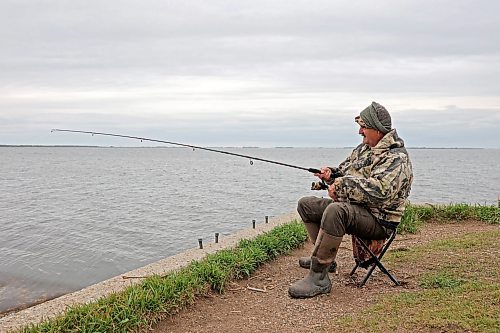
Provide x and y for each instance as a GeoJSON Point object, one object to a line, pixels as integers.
{"type": "Point", "coordinates": [71, 217]}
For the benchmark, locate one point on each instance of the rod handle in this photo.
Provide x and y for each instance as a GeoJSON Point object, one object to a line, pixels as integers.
{"type": "Point", "coordinates": [312, 170]}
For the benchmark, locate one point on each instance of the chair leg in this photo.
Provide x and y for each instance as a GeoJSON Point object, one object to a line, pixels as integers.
{"type": "Point", "coordinates": [383, 269]}
{"type": "Point", "coordinates": [354, 269]}
{"type": "Point", "coordinates": [367, 276]}
{"type": "Point", "coordinates": [377, 262]}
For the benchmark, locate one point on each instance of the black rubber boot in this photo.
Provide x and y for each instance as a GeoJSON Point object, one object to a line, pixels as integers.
{"type": "Point", "coordinates": [315, 283]}
{"type": "Point", "coordinates": [305, 262]}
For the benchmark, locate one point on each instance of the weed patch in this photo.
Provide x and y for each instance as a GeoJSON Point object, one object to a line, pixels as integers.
{"type": "Point", "coordinates": [441, 280]}
{"type": "Point", "coordinates": [416, 215]}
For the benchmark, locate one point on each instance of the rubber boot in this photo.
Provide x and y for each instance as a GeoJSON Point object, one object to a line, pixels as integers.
{"type": "Point", "coordinates": [305, 262]}
{"type": "Point", "coordinates": [312, 231]}
{"type": "Point", "coordinates": [317, 281]}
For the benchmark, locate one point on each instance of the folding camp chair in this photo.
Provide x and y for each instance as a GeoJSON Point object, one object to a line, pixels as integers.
{"type": "Point", "coordinates": [373, 260]}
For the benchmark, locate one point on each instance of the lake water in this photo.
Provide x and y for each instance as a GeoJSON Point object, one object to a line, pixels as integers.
{"type": "Point", "coordinates": [74, 216]}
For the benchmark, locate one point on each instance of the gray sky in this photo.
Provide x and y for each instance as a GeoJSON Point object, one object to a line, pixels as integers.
{"type": "Point", "coordinates": [249, 73]}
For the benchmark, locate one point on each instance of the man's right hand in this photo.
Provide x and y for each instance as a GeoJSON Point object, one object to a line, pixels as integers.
{"type": "Point", "coordinates": [325, 174]}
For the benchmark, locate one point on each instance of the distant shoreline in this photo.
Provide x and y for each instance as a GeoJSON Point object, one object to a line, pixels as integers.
{"type": "Point", "coordinates": [244, 147]}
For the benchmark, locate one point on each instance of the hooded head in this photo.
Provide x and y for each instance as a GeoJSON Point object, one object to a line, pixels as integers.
{"type": "Point", "coordinates": [375, 116]}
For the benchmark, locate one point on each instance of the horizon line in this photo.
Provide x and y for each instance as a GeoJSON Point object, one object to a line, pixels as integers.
{"type": "Point", "coordinates": [242, 147]}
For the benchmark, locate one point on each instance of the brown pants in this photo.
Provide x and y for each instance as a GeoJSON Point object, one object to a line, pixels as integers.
{"type": "Point", "coordinates": [340, 218]}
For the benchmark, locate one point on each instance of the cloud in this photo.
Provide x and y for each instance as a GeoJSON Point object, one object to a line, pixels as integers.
{"type": "Point", "coordinates": [236, 72]}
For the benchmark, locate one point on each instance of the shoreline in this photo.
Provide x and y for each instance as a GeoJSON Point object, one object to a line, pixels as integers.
{"type": "Point", "coordinates": [56, 306]}
{"type": "Point", "coordinates": [150, 299]}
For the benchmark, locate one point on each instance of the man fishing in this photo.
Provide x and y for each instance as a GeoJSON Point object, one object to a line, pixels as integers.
{"type": "Point", "coordinates": [368, 193]}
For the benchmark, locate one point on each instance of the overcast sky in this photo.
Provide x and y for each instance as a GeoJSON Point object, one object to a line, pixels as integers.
{"type": "Point", "coordinates": [249, 73]}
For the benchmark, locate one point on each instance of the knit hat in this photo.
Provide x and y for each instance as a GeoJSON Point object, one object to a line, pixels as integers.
{"type": "Point", "coordinates": [375, 116]}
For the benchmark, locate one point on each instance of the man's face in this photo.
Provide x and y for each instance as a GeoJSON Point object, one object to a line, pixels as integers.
{"type": "Point", "coordinates": [370, 136]}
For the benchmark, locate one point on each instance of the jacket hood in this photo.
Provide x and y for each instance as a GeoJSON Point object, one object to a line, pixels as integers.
{"type": "Point", "coordinates": [390, 141]}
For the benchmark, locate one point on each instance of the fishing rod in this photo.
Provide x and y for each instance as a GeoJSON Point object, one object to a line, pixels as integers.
{"type": "Point", "coordinates": [251, 158]}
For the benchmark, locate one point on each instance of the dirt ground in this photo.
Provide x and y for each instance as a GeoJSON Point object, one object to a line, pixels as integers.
{"type": "Point", "coordinates": [261, 302]}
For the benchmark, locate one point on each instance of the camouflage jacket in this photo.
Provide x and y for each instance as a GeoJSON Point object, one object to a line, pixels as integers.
{"type": "Point", "coordinates": [377, 177]}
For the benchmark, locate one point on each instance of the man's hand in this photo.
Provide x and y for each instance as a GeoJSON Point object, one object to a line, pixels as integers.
{"type": "Point", "coordinates": [331, 192]}
{"type": "Point", "coordinates": [325, 174]}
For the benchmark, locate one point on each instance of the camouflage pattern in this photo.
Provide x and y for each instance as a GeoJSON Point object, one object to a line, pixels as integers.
{"type": "Point", "coordinates": [378, 178]}
{"type": "Point", "coordinates": [363, 257]}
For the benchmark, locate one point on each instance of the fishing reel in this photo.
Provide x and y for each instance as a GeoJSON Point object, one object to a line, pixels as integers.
{"type": "Point", "coordinates": [322, 185]}
{"type": "Point", "coordinates": [318, 186]}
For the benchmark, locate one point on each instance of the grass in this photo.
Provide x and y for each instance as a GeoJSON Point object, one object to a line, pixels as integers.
{"type": "Point", "coordinates": [141, 305]}
{"type": "Point", "coordinates": [416, 215]}
{"type": "Point", "coordinates": [144, 304]}
{"type": "Point", "coordinates": [459, 290]}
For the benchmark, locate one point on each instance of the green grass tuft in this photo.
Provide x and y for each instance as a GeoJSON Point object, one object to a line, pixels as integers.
{"type": "Point", "coordinates": [416, 215]}
{"type": "Point", "coordinates": [440, 280]}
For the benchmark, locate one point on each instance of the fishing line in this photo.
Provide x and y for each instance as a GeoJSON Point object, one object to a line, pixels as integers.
{"type": "Point", "coordinates": [251, 158]}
